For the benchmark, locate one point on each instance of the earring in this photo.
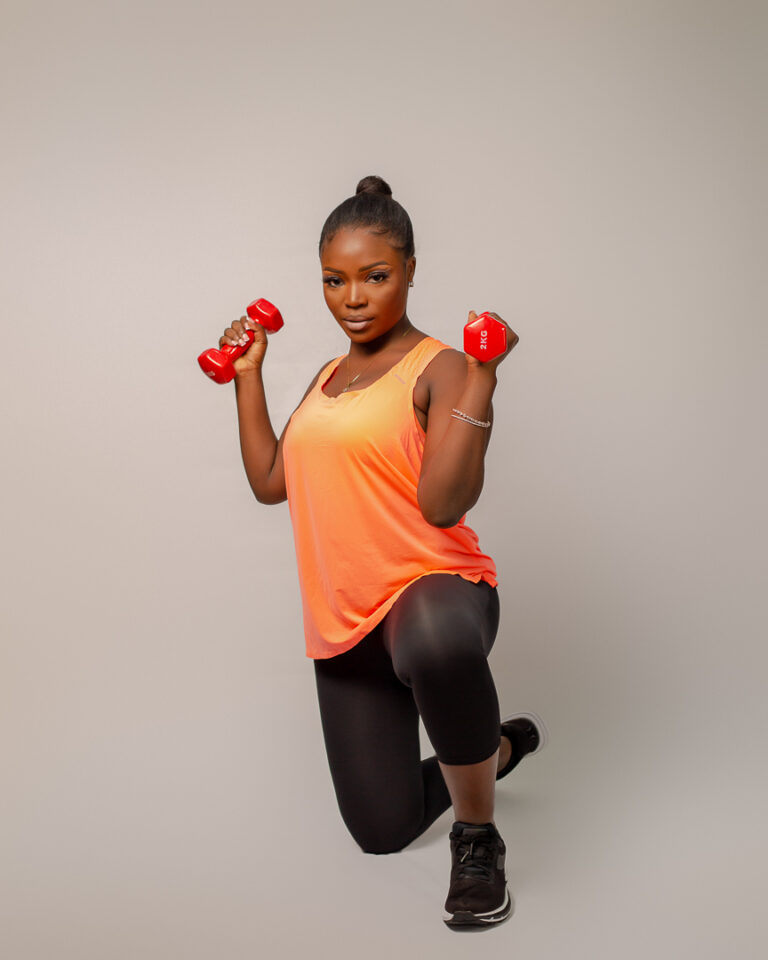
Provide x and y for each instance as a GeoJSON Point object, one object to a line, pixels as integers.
{"type": "Point", "coordinates": [410, 283]}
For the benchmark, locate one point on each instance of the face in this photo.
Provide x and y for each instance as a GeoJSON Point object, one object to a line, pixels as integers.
{"type": "Point", "coordinates": [365, 281]}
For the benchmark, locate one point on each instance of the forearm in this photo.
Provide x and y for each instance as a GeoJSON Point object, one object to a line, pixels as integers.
{"type": "Point", "coordinates": [258, 442]}
{"type": "Point", "coordinates": [454, 480]}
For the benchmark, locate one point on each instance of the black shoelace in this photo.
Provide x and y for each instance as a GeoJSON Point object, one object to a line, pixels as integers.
{"type": "Point", "coordinates": [475, 858]}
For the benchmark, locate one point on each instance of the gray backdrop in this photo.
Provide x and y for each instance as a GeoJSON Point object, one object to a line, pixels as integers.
{"type": "Point", "coordinates": [594, 172]}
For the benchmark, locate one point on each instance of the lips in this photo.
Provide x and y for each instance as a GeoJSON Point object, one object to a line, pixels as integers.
{"type": "Point", "coordinates": [357, 323]}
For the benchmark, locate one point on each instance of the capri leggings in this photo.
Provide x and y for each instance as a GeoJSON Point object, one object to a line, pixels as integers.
{"type": "Point", "coordinates": [427, 657]}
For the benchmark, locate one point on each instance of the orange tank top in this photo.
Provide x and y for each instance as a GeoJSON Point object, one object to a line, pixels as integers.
{"type": "Point", "coordinates": [352, 466]}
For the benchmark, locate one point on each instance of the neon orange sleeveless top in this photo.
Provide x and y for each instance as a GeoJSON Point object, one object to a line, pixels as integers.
{"type": "Point", "coordinates": [352, 466]}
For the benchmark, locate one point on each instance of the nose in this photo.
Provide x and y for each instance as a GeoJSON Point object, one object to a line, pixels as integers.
{"type": "Point", "coordinates": [355, 293]}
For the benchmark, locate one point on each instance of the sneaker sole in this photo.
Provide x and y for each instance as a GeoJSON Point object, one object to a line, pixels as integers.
{"type": "Point", "coordinates": [535, 719]}
{"type": "Point", "coordinates": [465, 918]}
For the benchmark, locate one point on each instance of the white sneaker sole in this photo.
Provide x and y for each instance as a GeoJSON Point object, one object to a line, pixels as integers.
{"type": "Point", "coordinates": [465, 918]}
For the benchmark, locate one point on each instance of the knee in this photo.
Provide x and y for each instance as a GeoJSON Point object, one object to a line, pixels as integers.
{"type": "Point", "coordinates": [380, 845]}
{"type": "Point", "coordinates": [379, 838]}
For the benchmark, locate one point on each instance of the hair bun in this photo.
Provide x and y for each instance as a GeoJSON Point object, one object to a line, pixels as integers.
{"type": "Point", "coordinates": [372, 208]}
{"type": "Point", "coordinates": [374, 184]}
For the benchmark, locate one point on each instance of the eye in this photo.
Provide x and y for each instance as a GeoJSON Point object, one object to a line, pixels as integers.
{"type": "Point", "coordinates": [331, 281]}
{"type": "Point", "coordinates": [379, 276]}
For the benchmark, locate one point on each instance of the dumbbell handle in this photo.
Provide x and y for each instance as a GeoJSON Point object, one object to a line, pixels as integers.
{"type": "Point", "coordinates": [233, 352]}
{"type": "Point", "coordinates": [218, 363]}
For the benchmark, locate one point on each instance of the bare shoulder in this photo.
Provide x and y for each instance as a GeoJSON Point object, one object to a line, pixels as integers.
{"type": "Point", "coordinates": [446, 369]}
{"type": "Point", "coordinates": [440, 380]}
{"type": "Point", "coordinates": [316, 378]}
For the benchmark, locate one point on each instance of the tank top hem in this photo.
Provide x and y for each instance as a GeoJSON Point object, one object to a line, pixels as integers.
{"type": "Point", "coordinates": [362, 631]}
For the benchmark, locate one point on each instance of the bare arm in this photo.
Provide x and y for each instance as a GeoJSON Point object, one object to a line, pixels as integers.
{"type": "Point", "coordinates": [453, 466]}
{"type": "Point", "coordinates": [262, 451]}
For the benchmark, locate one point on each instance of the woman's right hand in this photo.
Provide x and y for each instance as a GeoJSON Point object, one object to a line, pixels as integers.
{"type": "Point", "coordinates": [235, 336]}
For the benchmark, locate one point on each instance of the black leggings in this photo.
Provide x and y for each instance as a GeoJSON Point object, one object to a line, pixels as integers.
{"type": "Point", "coordinates": [427, 657]}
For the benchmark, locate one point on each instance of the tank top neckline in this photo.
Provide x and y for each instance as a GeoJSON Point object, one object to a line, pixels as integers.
{"type": "Point", "coordinates": [347, 393]}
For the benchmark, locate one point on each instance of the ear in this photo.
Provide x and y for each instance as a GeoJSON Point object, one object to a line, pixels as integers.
{"type": "Point", "coordinates": [410, 268]}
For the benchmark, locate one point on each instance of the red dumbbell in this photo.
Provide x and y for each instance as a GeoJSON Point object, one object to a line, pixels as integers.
{"type": "Point", "coordinates": [485, 338]}
{"type": "Point", "coordinates": [219, 364]}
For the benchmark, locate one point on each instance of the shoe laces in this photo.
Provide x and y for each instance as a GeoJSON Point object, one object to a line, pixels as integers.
{"type": "Point", "coordinates": [475, 857]}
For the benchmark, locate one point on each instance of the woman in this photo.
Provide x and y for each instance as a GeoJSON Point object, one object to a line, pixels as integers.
{"type": "Point", "coordinates": [379, 463]}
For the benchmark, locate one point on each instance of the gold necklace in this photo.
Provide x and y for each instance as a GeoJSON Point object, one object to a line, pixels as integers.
{"type": "Point", "coordinates": [350, 382]}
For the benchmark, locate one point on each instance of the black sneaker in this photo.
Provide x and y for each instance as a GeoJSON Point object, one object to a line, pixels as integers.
{"type": "Point", "coordinates": [527, 734]}
{"type": "Point", "coordinates": [478, 895]}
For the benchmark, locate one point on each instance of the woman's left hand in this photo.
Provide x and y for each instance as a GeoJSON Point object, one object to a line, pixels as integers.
{"type": "Point", "coordinates": [490, 365]}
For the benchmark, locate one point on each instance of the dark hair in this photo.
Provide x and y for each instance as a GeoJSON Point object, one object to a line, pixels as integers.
{"type": "Point", "coordinates": [372, 207]}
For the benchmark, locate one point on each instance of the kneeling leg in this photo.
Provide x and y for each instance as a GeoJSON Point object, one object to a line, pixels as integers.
{"type": "Point", "coordinates": [439, 634]}
{"type": "Point", "coordinates": [387, 795]}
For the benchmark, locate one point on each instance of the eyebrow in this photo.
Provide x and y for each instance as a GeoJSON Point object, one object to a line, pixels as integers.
{"type": "Point", "coordinates": [362, 269]}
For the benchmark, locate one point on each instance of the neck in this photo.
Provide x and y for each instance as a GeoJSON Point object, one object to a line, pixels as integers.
{"type": "Point", "coordinates": [391, 338]}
